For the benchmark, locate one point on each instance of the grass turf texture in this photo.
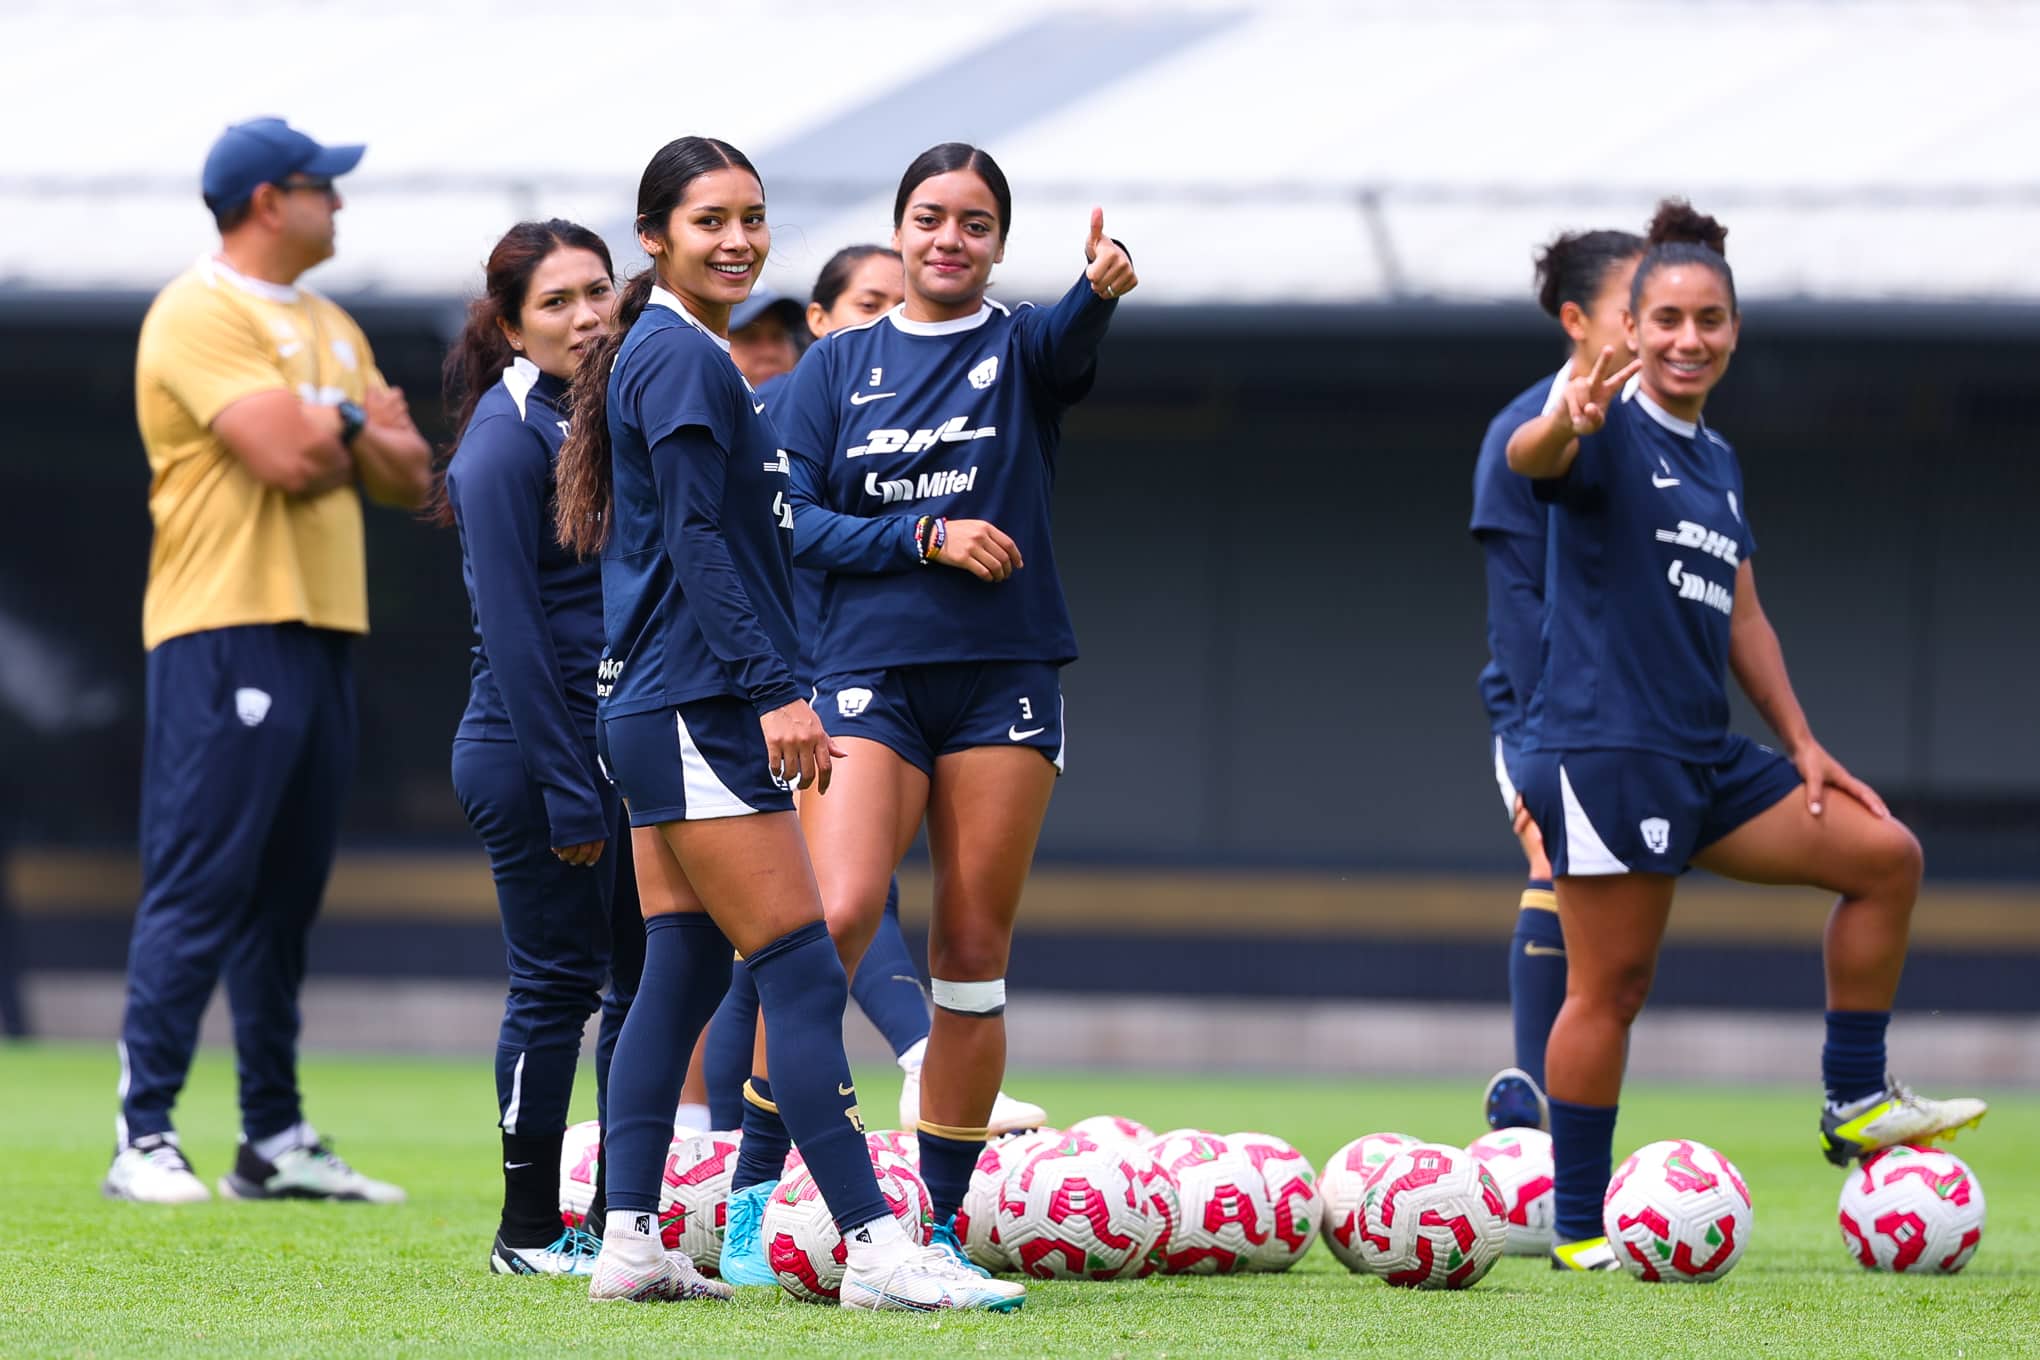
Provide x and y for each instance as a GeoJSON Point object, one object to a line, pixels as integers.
{"type": "Point", "coordinates": [87, 1277]}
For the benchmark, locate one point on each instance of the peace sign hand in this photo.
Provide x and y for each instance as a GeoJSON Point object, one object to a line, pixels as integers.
{"type": "Point", "coordinates": [1111, 272]}
{"type": "Point", "coordinates": [1587, 399]}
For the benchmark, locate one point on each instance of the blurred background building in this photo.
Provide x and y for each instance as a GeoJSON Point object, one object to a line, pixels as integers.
{"type": "Point", "coordinates": [1279, 791]}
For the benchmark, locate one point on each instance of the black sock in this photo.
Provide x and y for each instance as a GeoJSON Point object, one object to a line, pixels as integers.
{"type": "Point", "coordinates": [531, 1188]}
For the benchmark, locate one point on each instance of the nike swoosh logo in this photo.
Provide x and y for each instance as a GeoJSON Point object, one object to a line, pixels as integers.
{"type": "Point", "coordinates": [1015, 734]}
{"type": "Point", "coordinates": [757, 408]}
{"type": "Point", "coordinates": [1662, 482]}
{"type": "Point", "coordinates": [860, 398]}
{"type": "Point", "coordinates": [516, 1166]}
{"type": "Point", "coordinates": [1543, 951]}
{"type": "Point", "coordinates": [842, 1090]}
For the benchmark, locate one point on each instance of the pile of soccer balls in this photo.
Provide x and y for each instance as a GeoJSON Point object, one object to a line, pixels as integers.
{"type": "Point", "coordinates": [1107, 1199]}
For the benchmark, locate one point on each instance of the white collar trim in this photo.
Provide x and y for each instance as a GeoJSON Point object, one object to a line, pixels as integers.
{"type": "Point", "coordinates": [1555, 396]}
{"type": "Point", "coordinates": [216, 268]}
{"type": "Point", "coordinates": [898, 316]}
{"type": "Point", "coordinates": [519, 379]}
{"type": "Point", "coordinates": [661, 297]}
{"type": "Point", "coordinates": [1689, 428]}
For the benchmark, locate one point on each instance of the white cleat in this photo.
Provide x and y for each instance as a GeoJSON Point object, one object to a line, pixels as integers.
{"type": "Point", "coordinates": [672, 1279]}
{"type": "Point", "coordinates": [312, 1171]}
{"type": "Point", "coordinates": [1008, 1115]}
{"type": "Point", "coordinates": [925, 1280]}
{"type": "Point", "coordinates": [1893, 1116]}
{"type": "Point", "coordinates": [571, 1253]}
{"type": "Point", "coordinates": [152, 1170]}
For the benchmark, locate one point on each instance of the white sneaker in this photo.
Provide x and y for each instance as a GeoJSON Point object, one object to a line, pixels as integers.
{"type": "Point", "coordinates": [152, 1170]}
{"type": "Point", "coordinates": [671, 1279]}
{"type": "Point", "coordinates": [313, 1171]}
{"type": "Point", "coordinates": [571, 1253]}
{"type": "Point", "coordinates": [924, 1280]}
{"type": "Point", "coordinates": [1008, 1115]}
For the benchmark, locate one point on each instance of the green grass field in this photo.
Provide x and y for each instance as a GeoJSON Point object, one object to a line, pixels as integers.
{"type": "Point", "coordinates": [85, 1277]}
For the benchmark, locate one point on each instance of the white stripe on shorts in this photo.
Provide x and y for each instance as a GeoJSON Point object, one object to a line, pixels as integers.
{"type": "Point", "coordinates": [1062, 724]}
{"type": "Point", "coordinates": [1503, 782]}
{"type": "Point", "coordinates": [1586, 853]}
{"type": "Point", "coordinates": [707, 796]}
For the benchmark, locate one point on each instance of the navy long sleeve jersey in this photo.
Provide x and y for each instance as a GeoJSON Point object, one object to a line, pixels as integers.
{"type": "Point", "coordinates": [1509, 522]}
{"type": "Point", "coordinates": [697, 594]}
{"type": "Point", "coordinates": [896, 419]}
{"type": "Point", "coordinates": [537, 609]}
{"type": "Point", "coordinates": [1648, 530]}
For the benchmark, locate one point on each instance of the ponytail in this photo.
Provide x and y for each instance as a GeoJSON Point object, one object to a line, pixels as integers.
{"type": "Point", "coordinates": [1573, 266]}
{"type": "Point", "coordinates": [581, 503]}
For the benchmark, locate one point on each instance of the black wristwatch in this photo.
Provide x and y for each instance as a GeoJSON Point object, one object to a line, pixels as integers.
{"type": "Point", "coordinates": [352, 421]}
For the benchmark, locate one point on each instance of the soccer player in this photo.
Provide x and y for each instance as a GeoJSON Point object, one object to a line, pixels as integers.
{"type": "Point", "coordinates": [858, 284]}
{"type": "Point", "coordinates": [674, 472]}
{"type": "Point", "coordinates": [265, 421]}
{"type": "Point", "coordinates": [1583, 284]}
{"type": "Point", "coordinates": [1631, 769]}
{"type": "Point", "coordinates": [938, 658]}
{"type": "Point", "coordinates": [524, 764]}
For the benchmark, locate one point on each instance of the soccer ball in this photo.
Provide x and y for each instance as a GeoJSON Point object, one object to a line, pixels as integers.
{"type": "Point", "coordinates": [977, 1219]}
{"type": "Point", "coordinates": [1432, 1218]}
{"type": "Point", "coordinates": [1112, 1128]}
{"type": "Point", "coordinates": [1677, 1210]}
{"type": "Point", "coordinates": [1224, 1212]}
{"type": "Point", "coordinates": [1293, 1194]}
{"type": "Point", "coordinates": [1345, 1181]}
{"type": "Point", "coordinates": [1520, 1162]}
{"type": "Point", "coordinates": [694, 1195]}
{"type": "Point", "coordinates": [1158, 1190]}
{"type": "Point", "coordinates": [1912, 1208]}
{"type": "Point", "coordinates": [1074, 1214]}
{"type": "Point", "coordinates": [580, 1154]}
{"type": "Point", "coordinates": [905, 1146]}
{"type": "Point", "coordinates": [806, 1251]}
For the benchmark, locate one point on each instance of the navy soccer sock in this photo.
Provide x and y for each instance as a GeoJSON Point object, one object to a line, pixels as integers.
{"type": "Point", "coordinates": [1583, 1148]}
{"type": "Point", "coordinates": [727, 1062]}
{"type": "Point", "coordinates": [802, 991]}
{"type": "Point", "coordinates": [761, 1156]}
{"type": "Point", "coordinates": [887, 988]}
{"type": "Point", "coordinates": [1536, 975]}
{"type": "Point", "coordinates": [947, 1160]}
{"type": "Point", "coordinates": [1852, 1059]}
{"type": "Point", "coordinates": [687, 968]}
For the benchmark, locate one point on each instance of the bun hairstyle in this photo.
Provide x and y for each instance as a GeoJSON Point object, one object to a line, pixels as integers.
{"type": "Point", "coordinates": [1678, 234]}
{"type": "Point", "coordinates": [1575, 265]}
{"type": "Point", "coordinates": [581, 506]}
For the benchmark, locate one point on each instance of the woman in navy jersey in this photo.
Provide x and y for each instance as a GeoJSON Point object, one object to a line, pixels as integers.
{"type": "Point", "coordinates": [1632, 772]}
{"type": "Point", "coordinates": [524, 762]}
{"type": "Point", "coordinates": [675, 474]}
{"type": "Point", "coordinates": [937, 662]}
{"type": "Point", "coordinates": [1583, 284]}
{"type": "Point", "coordinates": [858, 284]}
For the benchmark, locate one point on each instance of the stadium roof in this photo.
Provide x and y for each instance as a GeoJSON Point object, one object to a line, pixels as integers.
{"type": "Point", "coordinates": [1259, 152]}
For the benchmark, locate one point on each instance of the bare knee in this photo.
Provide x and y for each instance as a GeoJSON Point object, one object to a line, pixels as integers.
{"type": "Point", "coordinates": [969, 955]}
{"type": "Point", "coordinates": [1899, 862]}
{"type": "Point", "coordinates": [1615, 994]}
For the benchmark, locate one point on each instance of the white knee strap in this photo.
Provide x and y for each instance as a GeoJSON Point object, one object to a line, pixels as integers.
{"type": "Point", "coordinates": [969, 998]}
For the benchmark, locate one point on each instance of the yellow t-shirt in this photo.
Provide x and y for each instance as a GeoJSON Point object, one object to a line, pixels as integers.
{"type": "Point", "coordinates": [229, 550]}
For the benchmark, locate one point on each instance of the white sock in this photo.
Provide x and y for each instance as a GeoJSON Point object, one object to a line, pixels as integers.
{"type": "Point", "coordinates": [881, 1238]}
{"type": "Point", "coordinates": [633, 1235]}
{"type": "Point", "coordinates": [275, 1145]}
{"type": "Point", "coordinates": [691, 1116]}
{"type": "Point", "coordinates": [917, 1052]}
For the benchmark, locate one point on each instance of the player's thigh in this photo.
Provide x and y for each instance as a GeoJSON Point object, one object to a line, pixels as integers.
{"type": "Point", "coordinates": [662, 886]}
{"type": "Point", "coordinates": [857, 832]}
{"type": "Point", "coordinates": [1848, 849]}
{"type": "Point", "coordinates": [751, 873]}
{"type": "Point", "coordinates": [985, 810]}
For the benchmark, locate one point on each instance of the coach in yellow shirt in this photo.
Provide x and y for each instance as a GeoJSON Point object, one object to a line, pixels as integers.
{"type": "Point", "coordinates": [265, 423]}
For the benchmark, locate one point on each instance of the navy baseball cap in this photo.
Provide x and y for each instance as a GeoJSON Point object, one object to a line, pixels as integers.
{"type": "Point", "coordinates": [267, 151]}
{"type": "Point", "coordinates": [763, 300]}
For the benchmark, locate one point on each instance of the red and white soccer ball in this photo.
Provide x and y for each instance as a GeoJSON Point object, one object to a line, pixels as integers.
{"type": "Point", "coordinates": [694, 1195]}
{"type": "Point", "coordinates": [1677, 1211]}
{"type": "Point", "coordinates": [1520, 1162]}
{"type": "Point", "coordinates": [580, 1155]}
{"type": "Point", "coordinates": [1345, 1180]}
{"type": "Point", "coordinates": [1913, 1209]}
{"type": "Point", "coordinates": [1432, 1218]}
{"type": "Point", "coordinates": [1076, 1213]}
{"type": "Point", "coordinates": [802, 1243]}
{"type": "Point", "coordinates": [1224, 1215]}
{"type": "Point", "coordinates": [977, 1218]}
{"type": "Point", "coordinates": [905, 1146]}
{"type": "Point", "coordinates": [1158, 1192]}
{"type": "Point", "coordinates": [1112, 1128]}
{"type": "Point", "coordinates": [1292, 1187]}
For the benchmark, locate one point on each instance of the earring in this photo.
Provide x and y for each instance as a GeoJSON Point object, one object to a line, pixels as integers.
{"type": "Point", "coordinates": [517, 345]}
